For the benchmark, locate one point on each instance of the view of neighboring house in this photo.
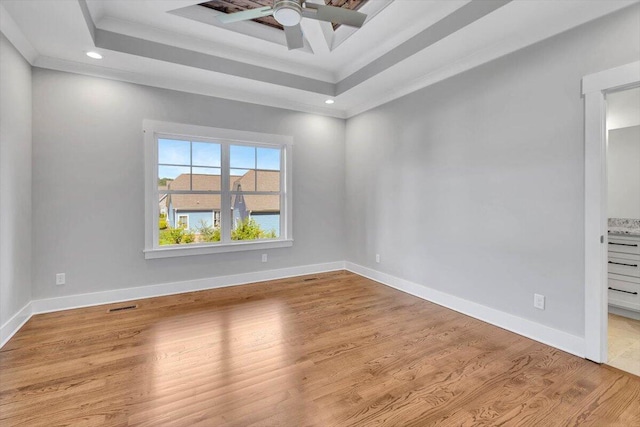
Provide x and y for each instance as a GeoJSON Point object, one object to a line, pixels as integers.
{"type": "Point", "coordinates": [191, 210]}
{"type": "Point", "coordinates": [162, 200]}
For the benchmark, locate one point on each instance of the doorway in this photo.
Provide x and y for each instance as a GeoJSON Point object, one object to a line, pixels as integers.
{"type": "Point", "coordinates": [623, 212]}
{"type": "Point", "coordinates": [595, 88]}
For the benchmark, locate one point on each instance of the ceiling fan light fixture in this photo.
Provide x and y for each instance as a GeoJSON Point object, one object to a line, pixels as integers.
{"type": "Point", "coordinates": [287, 12]}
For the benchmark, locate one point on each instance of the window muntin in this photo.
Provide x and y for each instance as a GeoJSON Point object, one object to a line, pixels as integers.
{"type": "Point", "coordinates": [200, 181]}
{"type": "Point", "coordinates": [191, 176]}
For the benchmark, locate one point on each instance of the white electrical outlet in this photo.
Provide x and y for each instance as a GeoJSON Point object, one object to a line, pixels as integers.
{"type": "Point", "coordinates": [61, 279]}
{"type": "Point", "coordinates": [264, 257]}
{"type": "Point", "coordinates": [538, 301]}
{"type": "Point", "coordinates": [377, 257]}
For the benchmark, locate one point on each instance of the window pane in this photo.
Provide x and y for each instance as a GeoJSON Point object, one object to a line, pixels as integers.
{"type": "Point", "coordinates": [206, 154]}
{"type": "Point", "coordinates": [173, 227]}
{"type": "Point", "coordinates": [207, 228]}
{"type": "Point", "coordinates": [166, 174]}
{"type": "Point", "coordinates": [206, 171]}
{"type": "Point", "coordinates": [242, 180]}
{"type": "Point", "coordinates": [188, 218]}
{"type": "Point", "coordinates": [242, 157]}
{"type": "Point", "coordinates": [197, 206]}
{"type": "Point", "coordinates": [269, 158]}
{"type": "Point", "coordinates": [163, 211]}
{"type": "Point", "coordinates": [174, 152]}
{"type": "Point", "coordinates": [182, 222]}
{"type": "Point", "coordinates": [268, 181]}
{"type": "Point", "coordinates": [206, 179]}
{"type": "Point", "coordinates": [255, 217]}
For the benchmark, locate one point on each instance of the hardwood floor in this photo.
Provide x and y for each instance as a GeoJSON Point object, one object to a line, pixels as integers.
{"type": "Point", "coordinates": [332, 349]}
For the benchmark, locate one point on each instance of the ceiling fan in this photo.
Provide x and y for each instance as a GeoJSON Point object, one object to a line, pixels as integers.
{"type": "Point", "coordinates": [289, 13]}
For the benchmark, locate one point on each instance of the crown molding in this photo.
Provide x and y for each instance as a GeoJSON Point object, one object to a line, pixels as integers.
{"type": "Point", "coordinates": [225, 91]}
{"type": "Point", "coordinates": [177, 55]}
{"type": "Point", "coordinates": [205, 46]}
{"type": "Point", "coordinates": [455, 21]}
{"type": "Point", "coordinates": [12, 32]}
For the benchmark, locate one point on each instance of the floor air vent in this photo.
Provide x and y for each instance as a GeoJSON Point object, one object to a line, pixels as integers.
{"type": "Point", "coordinates": [310, 278]}
{"type": "Point", "coordinates": [126, 307]}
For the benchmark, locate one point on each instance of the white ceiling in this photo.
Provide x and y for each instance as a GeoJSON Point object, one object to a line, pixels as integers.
{"type": "Point", "coordinates": [623, 109]}
{"type": "Point", "coordinates": [403, 46]}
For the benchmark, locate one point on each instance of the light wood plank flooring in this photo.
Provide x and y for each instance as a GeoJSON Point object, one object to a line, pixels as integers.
{"type": "Point", "coordinates": [333, 349]}
{"type": "Point", "coordinates": [624, 343]}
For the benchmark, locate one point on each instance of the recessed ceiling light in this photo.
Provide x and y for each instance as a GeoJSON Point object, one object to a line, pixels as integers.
{"type": "Point", "coordinates": [329, 101]}
{"type": "Point", "coordinates": [94, 55]}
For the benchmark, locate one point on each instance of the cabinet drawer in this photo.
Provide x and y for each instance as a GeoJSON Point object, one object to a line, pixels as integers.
{"type": "Point", "coordinates": [624, 294]}
{"type": "Point", "coordinates": [627, 265]}
{"type": "Point", "coordinates": [624, 245]}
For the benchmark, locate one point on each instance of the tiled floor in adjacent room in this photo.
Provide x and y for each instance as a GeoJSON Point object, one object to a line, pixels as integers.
{"type": "Point", "coordinates": [624, 343]}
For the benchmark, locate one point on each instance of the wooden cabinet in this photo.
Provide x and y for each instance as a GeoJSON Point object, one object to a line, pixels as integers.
{"type": "Point", "coordinates": [624, 272]}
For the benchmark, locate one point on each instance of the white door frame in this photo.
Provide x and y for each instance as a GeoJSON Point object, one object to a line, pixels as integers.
{"type": "Point", "coordinates": [594, 88]}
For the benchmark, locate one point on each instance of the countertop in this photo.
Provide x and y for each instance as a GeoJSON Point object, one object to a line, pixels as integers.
{"type": "Point", "coordinates": [624, 227]}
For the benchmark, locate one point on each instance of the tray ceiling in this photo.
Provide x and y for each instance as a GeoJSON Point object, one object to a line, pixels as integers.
{"type": "Point", "coordinates": [232, 6]}
{"type": "Point", "coordinates": [403, 46]}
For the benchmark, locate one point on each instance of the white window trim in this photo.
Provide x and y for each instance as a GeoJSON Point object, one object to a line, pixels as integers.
{"type": "Point", "coordinates": [152, 128]}
{"type": "Point", "coordinates": [178, 220]}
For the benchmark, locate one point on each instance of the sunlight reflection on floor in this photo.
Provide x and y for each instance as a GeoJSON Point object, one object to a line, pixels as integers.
{"type": "Point", "coordinates": [230, 356]}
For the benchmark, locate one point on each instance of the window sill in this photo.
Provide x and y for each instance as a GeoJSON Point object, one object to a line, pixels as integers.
{"type": "Point", "coordinates": [177, 251]}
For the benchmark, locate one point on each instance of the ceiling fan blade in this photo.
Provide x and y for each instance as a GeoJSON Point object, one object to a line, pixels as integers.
{"type": "Point", "coordinates": [337, 15]}
{"type": "Point", "coordinates": [294, 36]}
{"type": "Point", "coordinates": [245, 15]}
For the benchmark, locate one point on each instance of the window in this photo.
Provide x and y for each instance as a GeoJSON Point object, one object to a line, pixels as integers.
{"type": "Point", "coordinates": [215, 190]}
{"type": "Point", "coordinates": [183, 223]}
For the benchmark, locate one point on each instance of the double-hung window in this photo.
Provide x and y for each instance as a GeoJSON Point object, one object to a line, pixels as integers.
{"type": "Point", "coordinates": [211, 190]}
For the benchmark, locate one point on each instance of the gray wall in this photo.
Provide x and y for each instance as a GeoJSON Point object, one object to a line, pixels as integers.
{"type": "Point", "coordinates": [623, 170]}
{"type": "Point", "coordinates": [15, 181]}
{"type": "Point", "coordinates": [474, 186]}
{"type": "Point", "coordinates": [88, 189]}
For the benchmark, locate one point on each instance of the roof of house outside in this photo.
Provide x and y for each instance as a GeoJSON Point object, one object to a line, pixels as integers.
{"type": "Point", "coordinates": [262, 180]}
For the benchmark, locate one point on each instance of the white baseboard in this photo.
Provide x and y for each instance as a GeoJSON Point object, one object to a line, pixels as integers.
{"type": "Point", "coordinates": [562, 340]}
{"type": "Point", "coordinates": [150, 291]}
{"type": "Point", "coordinates": [48, 305]}
{"type": "Point", "coordinates": [622, 311]}
{"type": "Point", "coordinates": [14, 324]}
{"type": "Point", "coordinates": [553, 337]}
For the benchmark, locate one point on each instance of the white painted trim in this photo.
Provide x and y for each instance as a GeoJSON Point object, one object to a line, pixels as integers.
{"type": "Point", "coordinates": [595, 267]}
{"type": "Point", "coordinates": [613, 302]}
{"type": "Point", "coordinates": [69, 302]}
{"type": "Point", "coordinates": [612, 78]}
{"type": "Point", "coordinates": [153, 130]}
{"type": "Point", "coordinates": [544, 334]}
{"type": "Point", "coordinates": [562, 340]}
{"type": "Point", "coordinates": [215, 134]}
{"type": "Point", "coordinates": [217, 90]}
{"type": "Point", "coordinates": [14, 324]}
{"type": "Point", "coordinates": [594, 88]}
{"type": "Point", "coordinates": [621, 311]}
{"type": "Point", "coordinates": [10, 29]}
{"type": "Point", "coordinates": [178, 215]}
{"type": "Point", "coordinates": [150, 291]}
{"type": "Point", "coordinates": [195, 249]}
